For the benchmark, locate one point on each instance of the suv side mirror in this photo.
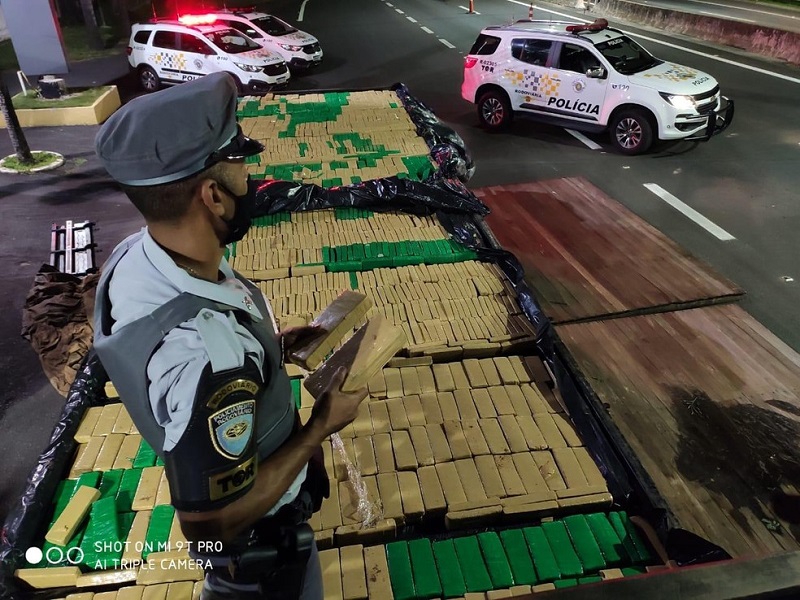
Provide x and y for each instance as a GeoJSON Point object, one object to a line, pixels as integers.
{"type": "Point", "coordinates": [596, 73]}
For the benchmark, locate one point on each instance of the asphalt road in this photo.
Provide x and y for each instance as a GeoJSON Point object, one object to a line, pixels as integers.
{"type": "Point", "coordinates": [775, 16]}
{"type": "Point", "coordinates": [745, 181]}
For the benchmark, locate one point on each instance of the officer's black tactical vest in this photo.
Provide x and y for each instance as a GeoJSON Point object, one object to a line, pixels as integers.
{"type": "Point", "coordinates": [125, 355]}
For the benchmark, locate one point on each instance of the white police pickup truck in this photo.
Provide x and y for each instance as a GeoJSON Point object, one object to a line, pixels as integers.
{"type": "Point", "coordinates": [591, 78]}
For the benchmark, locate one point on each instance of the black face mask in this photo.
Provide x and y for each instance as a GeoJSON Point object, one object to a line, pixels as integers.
{"type": "Point", "coordinates": [243, 213]}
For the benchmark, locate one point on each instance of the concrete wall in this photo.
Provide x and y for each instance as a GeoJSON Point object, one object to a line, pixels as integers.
{"type": "Point", "coordinates": [772, 43]}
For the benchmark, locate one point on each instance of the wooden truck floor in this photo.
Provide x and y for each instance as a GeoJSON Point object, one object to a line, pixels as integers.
{"type": "Point", "coordinates": [704, 395]}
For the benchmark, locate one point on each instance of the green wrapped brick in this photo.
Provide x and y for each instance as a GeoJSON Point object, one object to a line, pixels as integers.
{"type": "Point", "coordinates": [60, 557]}
{"type": "Point", "coordinates": [565, 583]}
{"type": "Point", "coordinates": [127, 489]}
{"type": "Point", "coordinates": [568, 562]}
{"type": "Point", "coordinates": [353, 281]}
{"type": "Point", "coordinates": [544, 561]}
{"type": "Point", "coordinates": [626, 531]}
{"type": "Point", "coordinates": [495, 558]}
{"type": "Point", "coordinates": [92, 479]}
{"type": "Point", "coordinates": [109, 483]}
{"type": "Point", "coordinates": [589, 579]}
{"type": "Point", "coordinates": [423, 567]}
{"type": "Point", "coordinates": [476, 577]}
{"type": "Point", "coordinates": [450, 574]}
{"type": "Point", "coordinates": [633, 571]}
{"type": "Point", "coordinates": [584, 543]}
{"type": "Point", "coordinates": [64, 491]}
{"type": "Point", "coordinates": [608, 540]}
{"type": "Point", "coordinates": [157, 538]}
{"type": "Point", "coordinates": [519, 559]}
{"type": "Point", "coordinates": [400, 574]}
{"type": "Point", "coordinates": [296, 383]}
{"type": "Point", "coordinates": [145, 456]}
{"type": "Point", "coordinates": [101, 541]}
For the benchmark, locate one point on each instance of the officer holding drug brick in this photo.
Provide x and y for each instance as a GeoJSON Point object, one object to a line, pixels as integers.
{"type": "Point", "coordinates": [192, 347]}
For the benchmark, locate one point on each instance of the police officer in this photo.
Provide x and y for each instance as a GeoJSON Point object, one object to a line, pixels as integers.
{"type": "Point", "coordinates": [192, 348]}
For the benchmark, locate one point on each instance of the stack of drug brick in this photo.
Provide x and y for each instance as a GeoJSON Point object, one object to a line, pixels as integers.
{"type": "Point", "coordinates": [448, 304]}
{"type": "Point", "coordinates": [333, 139]}
{"type": "Point", "coordinates": [111, 513]}
{"type": "Point", "coordinates": [578, 550]}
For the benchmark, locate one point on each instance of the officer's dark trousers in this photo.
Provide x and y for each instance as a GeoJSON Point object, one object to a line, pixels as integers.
{"type": "Point", "coordinates": [219, 588]}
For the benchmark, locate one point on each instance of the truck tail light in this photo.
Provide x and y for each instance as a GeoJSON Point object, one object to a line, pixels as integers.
{"type": "Point", "coordinates": [470, 62]}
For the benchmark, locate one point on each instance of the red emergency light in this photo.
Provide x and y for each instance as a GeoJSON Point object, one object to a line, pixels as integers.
{"type": "Point", "coordinates": [598, 25]}
{"type": "Point", "coordinates": [197, 19]}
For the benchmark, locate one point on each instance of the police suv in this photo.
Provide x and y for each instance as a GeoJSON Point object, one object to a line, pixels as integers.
{"type": "Point", "coordinates": [592, 78]}
{"type": "Point", "coordinates": [169, 52]}
{"type": "Point", "coordinates": [298, 48]}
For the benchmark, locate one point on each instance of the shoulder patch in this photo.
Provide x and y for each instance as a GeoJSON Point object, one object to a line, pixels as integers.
{"type": "Point", "coordinates": [232, 428]}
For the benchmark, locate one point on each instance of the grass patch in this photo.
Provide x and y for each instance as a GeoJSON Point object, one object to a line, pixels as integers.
{"type": "Point", "coordinates": [80, 98]}
{"type": "Point", "coordinates": [75, 44]}
{"type": "Point", "coordinates": [40, 159]}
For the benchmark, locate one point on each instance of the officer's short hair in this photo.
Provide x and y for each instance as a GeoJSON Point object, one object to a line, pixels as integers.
{"type": "Point", "coordinates": [170, 137]}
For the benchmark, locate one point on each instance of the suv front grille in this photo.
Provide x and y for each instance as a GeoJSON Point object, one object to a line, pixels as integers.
{"type": "Point", "coordinates": [311, 48]}
{"type": "Point", "coordinates": [703, 96]}
{"type": "Point", "coordinates": [278, 68]}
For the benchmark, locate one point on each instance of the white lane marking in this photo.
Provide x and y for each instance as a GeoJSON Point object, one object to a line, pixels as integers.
{"type": "Point", "coordinates": [426, 30]}
{"type": "Point", "coordinates": [474, 12]}
{"type": "Point", "coordinates": [714, 229]}
{"type": "Point", "coordinates": [649, 39]}
{"type": "Point", "coordinates": [399, 11]}
{"type": "Point", "coordinates": [755, 10]}
{"type": "Point", "coordinates": [412, 19]}
{"type": "Point", "coordinates": [579, 136]}
{"type": "Point", "coordinates": [302, 10]}
{"type": "Point", "coordinates": [446, 43]}
{"type": "Point", "coordinates": [390, 5]}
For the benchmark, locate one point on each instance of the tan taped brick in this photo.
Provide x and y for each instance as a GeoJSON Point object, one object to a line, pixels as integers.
{"type": "Point", "coordinates": [589, 467]}
{"type": "Point", "coordinates": [50, 577]}
{"type": "Point", "coordinates": [520, 590]}
{"type": "Point", "coordinates": [507, 373]}
{"type": "Point", "coordinates": [549, 471]}
{"type": "Point", "coordinates": [574, 492]}
{"type": "Point", "coordinates": [354, 580]}
{"type": "Point", "coordinates": [474, 436]}
{"type": "Point", "coordinates": [330, 513]}
{"type": "Point", "coordinates": [508, 474]}
{"type": "Point", "coordinates": [86, 456]}
{"type": "Point", "coordinates": [365, 455]}
{"type": "Point", "coordinates": [484, 404]}
{"type": "Point", "coordinates": [422, 445]}
{"type": "Point", "coordinates": [397, 414]}
{"type": "Point", "coordinates": [465, 404]}
{"type": "Point", "coordinates": [535, 399]}
{"type": "Point", "coordinates": [394, 383]}
{"type": "Point", "coordinates": [377, 385]}
{"type": "Point", "coordinates": [411, 386]}
{"type": "Point", "coordinates": [470, 480]}
{"type": "Point", "coordinates": [570, 469]}
{"type": "Point", "coordinates": [448, 406]}
{"type": "Point", "coordinates": [390, 496]}
{"type": "Point", "coordinates": [459, 447]}
{"type": "Point", "coordinates": [123, 423]}
{"type": "Point", "coordinates": [427, 383]}
{"type": "Point", "coordinates": [331, 574]}
{"type": "Point", "coordinates": [460, 379]}
{"type": "Point", "coordinates": [378, 583]}
{"type": "Point", "coordinates": [88, 423]}
{"type": "Point", "coordinates": [105, 424]}
{"type": "Point", "coordinates": [517, 399]}
{"type": "Point", "coordinates": [451, 483]}
{"type": "Point", "coordinates": [477, 517]}
{"type": "Point", "coordinates": [439, 444]}
{"type": "Point", "coordinates": [549, 430]}
{"type": "Point", "coordinates": [414, 410]}
{"type": "Point", "coordinates": [593, 502]}
{"type": "Point", "coordinates": [494, 436]}
{"type": "Point", "coordinates": [514, 436]}
{"type": "Point", "coordinates": [411, 495]}
{"type": "Point", "coordinates": [490, 476]}
{"type": "Point", "coordinates": [324, 539]}
{"type": "Point", "coordinates": [519, 369]}
{"type": "Point", "coordinates": [531, 477]}
{"type": "Point", "coordinates": [498, 594]}
{"type": "Point", "coordinates": [431, 409]}
{"type": "Point", "coordinates": [611, 574]}
{"type": "Point", "coordinates": [475, 374]}
{"type": "Point", "coordinates": [72, 516]}
{"type": "Point", "coordinates": [501, 401]}
{"type": "Point", "coordinates": [384, 456]}
{"type": "Point", "coordinates": [490, 374]}
{"type": "Point", "coordinates": [530, 431]}
{"type": "Point", "coordinates": [404, 456]}
{"type": "Point", "coordinates": [538, 509]}
{"type": "Point", "coordinates": [136, 536]}
{"type": "Point", "coordinates": [163, 495]}
{"type": "Point", "coordinates": [108, 452]}
{"type": "Point", "coordinates": [379, 413]}
{"type": "Point", "coordinates": [381, 531]}
{"type": "Point", "coordinates": [145, 496]}
{"type": "Point", "coordinates": [362, 425]}
{"type": "Point", "coordinates": [443, 377]}
{"type": "Point", "coordinates": [567, 430]}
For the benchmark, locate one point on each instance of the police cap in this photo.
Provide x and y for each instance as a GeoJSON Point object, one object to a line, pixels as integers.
{"type": "Point", "coordinates": [175, 133]}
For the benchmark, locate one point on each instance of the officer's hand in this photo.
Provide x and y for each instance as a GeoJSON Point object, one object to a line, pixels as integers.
{"type": "Point", "coordinates": [334, 408]}
{"type": "Point", "coordinates": [296, 337]}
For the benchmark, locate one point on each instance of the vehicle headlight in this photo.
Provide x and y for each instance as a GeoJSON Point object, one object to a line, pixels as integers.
{"type": "Point", "coordinates": [679, 102]}
{"type": "Point", "coordinates": [248, 68]}
{"type": "Point", "coordinates": [291, 48]}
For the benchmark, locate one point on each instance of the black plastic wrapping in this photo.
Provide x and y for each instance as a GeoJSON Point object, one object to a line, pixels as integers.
{"type": "Point", "coordinates": [387, 194]}
{"type": "Point", "coordinates": [447, 147]}
{"type": "Point", "coordinates": [19, 530]}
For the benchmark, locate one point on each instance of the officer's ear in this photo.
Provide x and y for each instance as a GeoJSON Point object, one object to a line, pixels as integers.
{"type": "Point", "coordinates": [211, 195]}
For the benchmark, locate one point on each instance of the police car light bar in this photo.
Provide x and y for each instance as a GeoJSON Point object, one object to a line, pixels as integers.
{"type": "Point", "coordinates": [598, 25]}
{"type": "Point", "coordinates": [197, 20]}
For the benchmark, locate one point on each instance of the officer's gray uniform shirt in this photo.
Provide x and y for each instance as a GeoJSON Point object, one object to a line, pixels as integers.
{"type": "Point", "coordinates": [146, 278]}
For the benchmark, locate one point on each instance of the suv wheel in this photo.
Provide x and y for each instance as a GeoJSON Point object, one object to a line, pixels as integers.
{"type": "Point", "coordinates": [149, 80]}
{"type": "Point", "coordinates": [494, 110]}
{"type": "Point", "coordinates": [631, 132]}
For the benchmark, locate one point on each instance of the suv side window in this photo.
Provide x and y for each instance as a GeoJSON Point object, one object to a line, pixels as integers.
{"type": "Point", "coordinates": [190, 43]}
{"type": "Point", "coordinates": [533, 52]}
{"type": "Point", "coordinates": [141, 37]}
{"type": "Point", "coordinates": [166, 39]}
{"type": "Point", "coordinates": [241, 28]}
{"type": "Point", "coordinates": [577, 59]}
{"type": "Point", "coordinates": [485, 44]}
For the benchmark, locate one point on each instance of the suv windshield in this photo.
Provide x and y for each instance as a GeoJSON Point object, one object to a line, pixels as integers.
{"type": "Point", "coordinates": [273, 26]}
{"type": "Point", "coordinates": [626, 56]}
{"type": "Point", "coordinates": [231, 41]}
